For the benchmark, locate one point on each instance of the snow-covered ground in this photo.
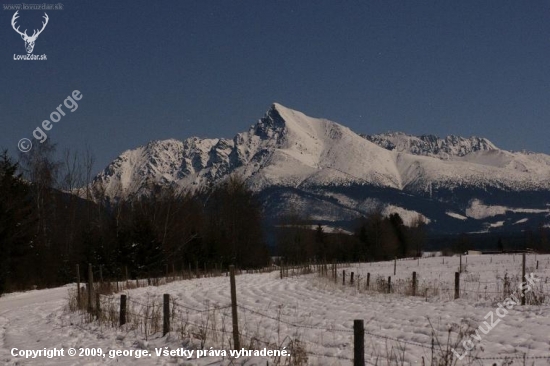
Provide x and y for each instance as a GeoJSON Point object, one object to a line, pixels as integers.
{"type": "Point", "coordinates": [316, 311]}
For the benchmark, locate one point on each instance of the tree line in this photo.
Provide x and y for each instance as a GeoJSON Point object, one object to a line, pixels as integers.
{"type": "Point", "coordinates": [375, 237]}
{"type": "Point", "coordinates": [52, 218]}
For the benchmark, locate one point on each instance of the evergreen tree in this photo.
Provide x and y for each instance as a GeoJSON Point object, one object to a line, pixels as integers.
{"type": "Point", "coordinates": [399, 230]}
{"type": "Point", "coordinates": [234, 225]}
{"type": "Point", "coordinates": [15, 225]}
{"type": "Point", "coordinates": [320, 243]}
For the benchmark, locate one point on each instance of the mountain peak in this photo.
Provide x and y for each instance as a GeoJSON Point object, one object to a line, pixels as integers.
{"type": "Point", "coordinates": [286, 114]}
{"type": "Point", "coordinates": [283, 109]}
{"type": "Point", "coordinates": [278, 106]}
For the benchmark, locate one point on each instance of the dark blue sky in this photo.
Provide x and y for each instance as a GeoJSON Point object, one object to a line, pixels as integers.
{"type": "Point", "coordinates": [174, 69]}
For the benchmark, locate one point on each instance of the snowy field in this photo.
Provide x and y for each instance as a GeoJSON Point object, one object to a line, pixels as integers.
{"type": "Point", "coordinates": [311, 315]}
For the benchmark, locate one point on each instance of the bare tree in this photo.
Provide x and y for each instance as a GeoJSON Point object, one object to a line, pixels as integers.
{"type": "Point", "coordinates": [41, 169]}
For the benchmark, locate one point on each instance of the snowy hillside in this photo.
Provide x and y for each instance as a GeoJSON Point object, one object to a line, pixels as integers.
{"type": "Point", "coordinates": [334, 174]}
{"type": "Point", "coordinates": [315, 311]}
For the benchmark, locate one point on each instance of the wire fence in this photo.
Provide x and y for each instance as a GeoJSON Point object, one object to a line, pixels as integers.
{"type": "Point", "coordinates": [469, 286]}
{"type": "Point", "coordinates": [211, 324]}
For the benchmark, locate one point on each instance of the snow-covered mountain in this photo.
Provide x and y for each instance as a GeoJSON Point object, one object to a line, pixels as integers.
{"type": "Point", "coordinates": [430, 145]}
{"type": "Point", "coordinates": [333, 175]}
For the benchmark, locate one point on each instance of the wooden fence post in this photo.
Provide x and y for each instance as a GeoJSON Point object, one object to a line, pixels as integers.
{"type": "Point", "coordinates": [166, 315]}
{"type": "Point", "coordinates": [523, 278]}
{"type": "Point", "coordinates": [236, 340]}
{"type": "Point", "coordinates": [90, 288]}
{"type": "Point", "coordinates": [457, 285]}
{"type": "Point", "coordinates": [351, 278]}
{"type": "Point", "coordinates": [389, 284]}
{"type": "Point", "coordinates": [78, 303]}
{"type": "Point", "coordinates": [122, 310]}
{"type": "Point", "coordinates": [344, 277]}
{"type": "Point", "coordinates": [368, 280]}
{"type": "Point", "coordinates": [414, 284]}
{"type": "Point", "coordinates": [358, 343]}
{"type": "Point", "coordinates": [537, 264]}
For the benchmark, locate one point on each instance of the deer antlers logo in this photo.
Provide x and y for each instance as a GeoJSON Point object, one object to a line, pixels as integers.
{"type": "Point", "coordinates": [29, 41]}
